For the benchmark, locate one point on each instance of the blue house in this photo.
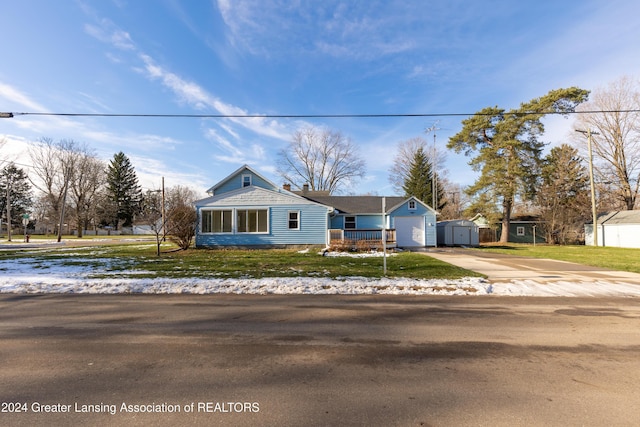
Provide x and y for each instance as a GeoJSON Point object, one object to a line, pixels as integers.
{"type": "Point", "coordinates": [247, 210]}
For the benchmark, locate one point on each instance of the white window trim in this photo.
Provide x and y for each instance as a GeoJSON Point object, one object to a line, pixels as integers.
{"type": "Point", "coordinates": [234, 221]}
{"type": "Point", "coordinates": [412, 205]}
{"type": "Point", "coordinates": [520, 230]}
{"type": "Point", "coordinates": [217, 232]}
{"type": "Point", "coordinates": [250, 180]}
{"type": "Point", "coordinates": [297, 220]}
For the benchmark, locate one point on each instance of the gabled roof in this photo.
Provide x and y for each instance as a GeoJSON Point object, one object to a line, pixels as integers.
{"type": "Point", "coordinates": [234, 174]}
{"type": "Point", "coordinates": [397, 205]}
{"type": "Point", "coordinates": [362, 205]}
{"type": "Point", "coordinates": [355, 204]}
{"type": "Point", "coordinates": [255, 196]}
{"type": "Point", "coordinates": [619, 217]}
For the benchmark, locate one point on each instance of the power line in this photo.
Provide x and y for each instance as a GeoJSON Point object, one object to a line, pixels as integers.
{"type": "Point", "coordinates": [308, 116]}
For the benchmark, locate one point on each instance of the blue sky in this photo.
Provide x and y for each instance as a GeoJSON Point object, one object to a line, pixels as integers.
{"type": "Point", "coordinates": [291, 57]}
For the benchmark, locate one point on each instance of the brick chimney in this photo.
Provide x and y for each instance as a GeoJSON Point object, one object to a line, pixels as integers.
{"type": "Point", "coordinates": [286, 187]}
{"type": "Point", "coordinates": [305, 188]}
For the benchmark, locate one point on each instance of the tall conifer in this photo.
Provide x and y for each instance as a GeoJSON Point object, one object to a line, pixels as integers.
{"type": "Point", "coordinates": [123, 189]}
{"type": "Point", "coordinates": [418, 182]}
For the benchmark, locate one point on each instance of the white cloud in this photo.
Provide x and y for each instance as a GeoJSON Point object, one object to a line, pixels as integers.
{"type": "Point", "coordinates": [14, 96]}
{"type": "Point", "coordinates": [196, 96]}
{"type": "Point", "coordinates": [107, 32]}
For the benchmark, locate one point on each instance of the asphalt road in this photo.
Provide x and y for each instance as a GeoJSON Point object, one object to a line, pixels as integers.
{"type": "Point", "coordinates": [318, 360]}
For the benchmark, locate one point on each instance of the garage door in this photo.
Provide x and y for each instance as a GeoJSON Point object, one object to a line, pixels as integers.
{"type": "Point", "coordinates": [409, 231]}
{"type": "Point", "coordinates": [461, 235]}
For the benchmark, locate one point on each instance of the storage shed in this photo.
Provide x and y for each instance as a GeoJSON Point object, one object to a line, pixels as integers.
{"type": "Point", "coordinates": [459, 232]}
{"type": "Point", "coordinates": [618, 229]}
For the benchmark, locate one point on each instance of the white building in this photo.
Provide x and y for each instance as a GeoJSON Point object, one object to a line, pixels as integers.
{"type": "Point", "coordinates": [618, 229]}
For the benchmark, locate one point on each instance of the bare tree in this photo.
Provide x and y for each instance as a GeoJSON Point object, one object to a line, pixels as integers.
{"type": "Point", "coordinates": [616, 149]}
{"type": "Point", "coordinates": [55, 165]}
{"type": "Point", "coordinates": [88, 179]}
{"type": "Point", "coordinates": [182, 225]}
{"type": "Point", "coordinates": [152, 214]}
{"type": "Point", "coordinates": [66, 167]}
{"type": "Point", "coordinates": [563, 195]}
{"type": "Point", "coordinates": [178, 218]}
{"type": "Point", "coordinates": [405, 155]}
{"type": "Point", "coordinates": [322, 158]}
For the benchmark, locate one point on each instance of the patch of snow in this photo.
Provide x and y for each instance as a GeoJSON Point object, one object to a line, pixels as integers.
{"type": "Point", "coordinates": [33, 275]}
{"type": "Point", "coordinates": [358, 254]}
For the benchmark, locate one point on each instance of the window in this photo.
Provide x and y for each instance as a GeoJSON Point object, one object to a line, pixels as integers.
{"type": "Point", "coordinates": [349, 222]}
{"type": "Point", "coordinates": [294, 220]}
{"type": "Point", "coordinates": [246, 180]}
{"type": "Point", "coordinates": [412, 205]}
{"type": "Point", "coordinates": [252, 220]}
{"type": "Point", "coordinates": [520, 231]}
{"type": "Point", "coordinates": [216, 221]}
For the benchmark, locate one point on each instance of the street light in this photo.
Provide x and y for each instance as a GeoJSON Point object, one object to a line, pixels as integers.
{"type": "Point", "coordinates": [594, 212]}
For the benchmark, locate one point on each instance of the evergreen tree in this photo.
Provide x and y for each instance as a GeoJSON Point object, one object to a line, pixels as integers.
{"type": "Point", "coordinates": [508, 149]}
{"type": "Point", "coordinates": [17, 182]}
{"type": "Point", "coordinates": [418, 182]}
{"type": "Point", "coordinates": [123, 189]}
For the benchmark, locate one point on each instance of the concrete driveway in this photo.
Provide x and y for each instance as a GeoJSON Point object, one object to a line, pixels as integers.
{"type": "Point", "coordinates": [505, 268]}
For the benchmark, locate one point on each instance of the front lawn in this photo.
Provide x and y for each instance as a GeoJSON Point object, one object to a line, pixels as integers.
{"type": "Point", "coordinates": [139, 260]}
{"type": "Point", "coordinates": [622, 259]}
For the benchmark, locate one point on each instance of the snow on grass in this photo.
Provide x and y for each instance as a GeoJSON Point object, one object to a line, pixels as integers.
{"type": "Point", "coordinates": [32, 275]}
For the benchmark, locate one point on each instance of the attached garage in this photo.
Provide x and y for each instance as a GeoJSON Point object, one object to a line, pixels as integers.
{"type": "Point", "coordinates": [410, 231]}
{"type": "Point", "coordinates": [457, 233]}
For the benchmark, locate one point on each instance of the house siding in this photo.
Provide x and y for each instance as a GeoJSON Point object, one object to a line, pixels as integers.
{"type": "Point", "coordinates": [313, 223]}
{"type": "Point", "coordinates": [363, 222]}
{"type": "Point", "coordinates": [312, 219]}
{"type": "Point", "coordinates": [235, 183]}
{"type": "Point", "coordinates": [528, 233]}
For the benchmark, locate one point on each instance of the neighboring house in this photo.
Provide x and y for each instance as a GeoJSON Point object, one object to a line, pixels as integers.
{"type": "Point", "coordinates": [458, 232]}
{"type": "Point", "coordinates": [247, 210]}
{"type": "Point", "coordinates": [619, 229]}
{"type": "Point", "coordinates": [524, 229]}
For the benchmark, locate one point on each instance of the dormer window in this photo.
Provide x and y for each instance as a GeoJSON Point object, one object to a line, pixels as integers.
{"type": "Point", "coordinates": [412, 205]}
{"type": "Point", "coordinates": [246, 180]}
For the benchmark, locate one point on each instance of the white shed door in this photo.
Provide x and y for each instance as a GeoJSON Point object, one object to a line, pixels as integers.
{"type": "Point", "coordinates": [461, 235]}
{"type": "Point", "coordinates": [409, 231]}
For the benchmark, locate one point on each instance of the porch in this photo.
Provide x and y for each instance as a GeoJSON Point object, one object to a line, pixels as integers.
{"type": "Point", "coordinates": [362, 239]}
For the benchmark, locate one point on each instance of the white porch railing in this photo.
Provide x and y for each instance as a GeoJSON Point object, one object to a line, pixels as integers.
{"type": "Point", "coordinates": [361, 238]}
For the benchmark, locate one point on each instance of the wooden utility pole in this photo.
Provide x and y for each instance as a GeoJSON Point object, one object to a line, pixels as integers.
{"type": "Point", "coordinates": [594, 210]}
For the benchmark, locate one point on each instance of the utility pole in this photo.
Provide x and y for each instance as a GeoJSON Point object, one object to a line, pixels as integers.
{"type": "Point", "coordinates": [384, 236]}
{"type": "Point", "coordinates": [9, 182]}
{"type": "Point", "coordinates": [164, 218]}
{"type": "Point", "coordinates": [594, 211]}
{"type": "Point", "coordinates": [434, 179]}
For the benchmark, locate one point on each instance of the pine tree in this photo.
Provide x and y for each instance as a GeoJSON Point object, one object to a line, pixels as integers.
{"type": "Point", "coordinates": [123, 189]}
{"type": "Point", "coordinates": [16, 181]}
{"type": "Point", "coordinates": [419, 181]}
{"type": "Point", "coordinates": [508, 149]}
